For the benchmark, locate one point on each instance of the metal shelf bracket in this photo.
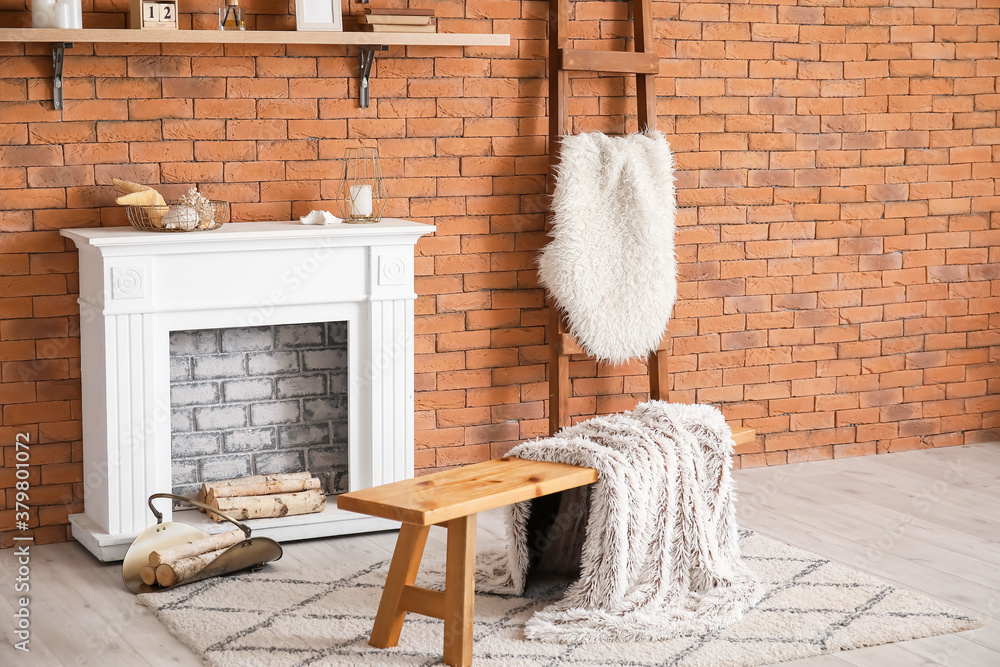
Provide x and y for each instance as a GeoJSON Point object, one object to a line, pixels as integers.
{"type": "Point", "coordinates": [367, 60]}
{"type": "Point", "coordinates": [58, 54]}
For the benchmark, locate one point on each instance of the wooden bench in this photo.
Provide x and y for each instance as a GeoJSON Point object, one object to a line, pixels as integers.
{"type": "Point", "coordinates": [452, 498]}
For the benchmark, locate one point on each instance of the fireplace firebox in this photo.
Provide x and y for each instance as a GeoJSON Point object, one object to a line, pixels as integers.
{"type": "Point", "coordinates": [259, 401]}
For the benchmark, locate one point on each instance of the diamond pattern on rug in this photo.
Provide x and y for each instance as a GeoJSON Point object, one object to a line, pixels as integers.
{"type": "Point", "coordinates": [811, 606]}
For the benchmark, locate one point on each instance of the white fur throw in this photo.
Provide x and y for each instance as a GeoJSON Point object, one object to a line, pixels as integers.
{"type": "Point", "coordinates": [661, 556]}
{"type": "Point", "coordinates": [610, 266]}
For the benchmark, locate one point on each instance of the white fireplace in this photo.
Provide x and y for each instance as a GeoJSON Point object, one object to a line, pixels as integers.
{"type": "Point", "coordinates": [137, 287]}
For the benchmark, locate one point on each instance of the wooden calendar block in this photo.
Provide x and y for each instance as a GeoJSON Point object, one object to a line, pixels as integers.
{"type": "Point", "coordinates": [157, 14]}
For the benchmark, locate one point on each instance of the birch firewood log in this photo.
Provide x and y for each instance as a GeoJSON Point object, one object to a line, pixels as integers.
{"type": "Point", "coordinates": [168, 574]}
{"type": "Point", "coordinates": [263, 488]}
{"type": "Point", "coordinates": [261, 507]}
{"type": "Point", "coordinates": [195, 547]}
{"type": "Point", "coordinates": [203, 491]}
{"type": "Point", "coordinates": [148, 575]}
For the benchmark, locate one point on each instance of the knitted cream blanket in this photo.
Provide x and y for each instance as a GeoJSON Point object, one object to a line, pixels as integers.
{"type": "Point", "coordinates": [661, 556]}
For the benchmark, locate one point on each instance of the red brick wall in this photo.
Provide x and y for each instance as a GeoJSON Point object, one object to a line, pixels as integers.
{"type": "Point", "coordinates": [839, 234]}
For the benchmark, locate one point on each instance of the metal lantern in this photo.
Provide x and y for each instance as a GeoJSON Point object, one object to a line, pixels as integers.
{"type": "Point", "coordinates": [362, 196]}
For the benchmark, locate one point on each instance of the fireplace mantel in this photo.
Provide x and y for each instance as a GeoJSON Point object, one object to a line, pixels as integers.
{"type": "Point", "coordinates": [136, 287]}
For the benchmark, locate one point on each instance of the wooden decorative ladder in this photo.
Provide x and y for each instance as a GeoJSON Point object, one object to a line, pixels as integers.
{"type": "Point", "coordinates": [644, 63]}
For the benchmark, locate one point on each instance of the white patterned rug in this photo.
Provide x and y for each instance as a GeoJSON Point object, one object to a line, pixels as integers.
{"type": "Point", "coordinates": [272, 619]}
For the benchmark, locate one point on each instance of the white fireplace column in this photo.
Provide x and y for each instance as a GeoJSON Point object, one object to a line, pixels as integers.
{"type": "Point", "coordinates": [136, 287]}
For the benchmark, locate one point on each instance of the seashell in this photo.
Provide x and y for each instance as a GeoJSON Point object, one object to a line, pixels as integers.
{"type": "Point", "coordinates": [319, 218]}
{"type": "Point", "coordinates": [202, 205]}
{"type": "Point", "coordinates": [180, 217]}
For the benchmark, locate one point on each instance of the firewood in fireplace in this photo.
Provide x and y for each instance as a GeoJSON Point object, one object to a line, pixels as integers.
{"type": "Point", "coordinates": [256, 479]}
{"type": "Point", "coordinates": [261, 488]}
{"type": "Point", "coordinates": [195, 547]}
{"type": "Point", "coordinates": [274, 505]}
{"type": "Point", "coordinates": [168, 574]}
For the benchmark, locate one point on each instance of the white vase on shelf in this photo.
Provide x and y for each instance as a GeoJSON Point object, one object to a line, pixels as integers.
{"type": "Point", "coordinates": [56, 14]}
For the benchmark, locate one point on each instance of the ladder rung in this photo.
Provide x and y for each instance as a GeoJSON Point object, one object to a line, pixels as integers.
{"type": "Point", "coordinates": [610, 61]}
{"type": "Point", "coordinates": [743, 435]}
{"type": "Point", "coordinates": [566, 344]}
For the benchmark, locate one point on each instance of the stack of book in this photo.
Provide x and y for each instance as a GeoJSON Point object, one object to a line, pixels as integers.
{"type": "Point", "coordinates": [387, 19]}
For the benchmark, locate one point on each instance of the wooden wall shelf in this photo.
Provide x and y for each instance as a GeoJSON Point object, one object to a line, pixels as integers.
{"type": "Point", "coordinates": [368, 42]}
{"type": "Point", "coordinates": [89, 36]}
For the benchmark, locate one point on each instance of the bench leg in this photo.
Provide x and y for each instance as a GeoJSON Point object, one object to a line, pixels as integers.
{"type": "Point", "coordinates": [459, 592]}
{"type": "Point", "coordinates": [402, 572]}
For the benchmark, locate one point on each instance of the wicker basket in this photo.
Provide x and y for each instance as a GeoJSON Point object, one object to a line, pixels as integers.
{"type": "Point", "coordinates": [177, 217]}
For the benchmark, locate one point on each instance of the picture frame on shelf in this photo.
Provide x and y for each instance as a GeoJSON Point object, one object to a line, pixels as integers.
{"type": "Point", "coordinates": [319, 15]}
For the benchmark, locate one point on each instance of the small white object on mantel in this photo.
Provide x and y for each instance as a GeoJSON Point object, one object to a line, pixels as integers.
{"type": "Point", "coordinates": [319, 218]}
{"type": "Point", "coordinates": [137, 287]}
{"type": "Point", "coordinates": [180, 217]}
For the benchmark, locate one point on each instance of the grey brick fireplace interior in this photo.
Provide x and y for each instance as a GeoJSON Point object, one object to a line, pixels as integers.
{"type": "Point", "coordinates": [259, 400]}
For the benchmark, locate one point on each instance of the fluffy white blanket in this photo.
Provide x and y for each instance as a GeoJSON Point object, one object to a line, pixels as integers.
{"type": "Point", "coordinates": [610, 266]}
{"type": "Point", "coordinates": [661, 555]}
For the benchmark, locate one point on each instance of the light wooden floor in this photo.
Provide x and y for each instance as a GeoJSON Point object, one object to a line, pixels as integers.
{"type": "Point", "coordinates": [927, 520]}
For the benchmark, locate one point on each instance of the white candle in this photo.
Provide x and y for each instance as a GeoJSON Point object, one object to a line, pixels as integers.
{"type": "Point", "coordinates": [76, 14]}
{"type": "Point", "coordinates": [64, 15]}
{"type": "Point", "coordinates": [361, 200]}
{"type": "Point", "coordinates": [43, 14]}
{"type": "Point", "coordinates": [56, 14]}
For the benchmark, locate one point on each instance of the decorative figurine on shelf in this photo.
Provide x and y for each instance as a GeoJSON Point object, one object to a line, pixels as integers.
{"type": "Point", "coordinates": [231, 16]}
{"type": "Point", "coordinates": [153, 14]}
{"type": "Point", "coordinates": [362, 196]}
{"type": "Point", "coordinates": [56, 14]}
